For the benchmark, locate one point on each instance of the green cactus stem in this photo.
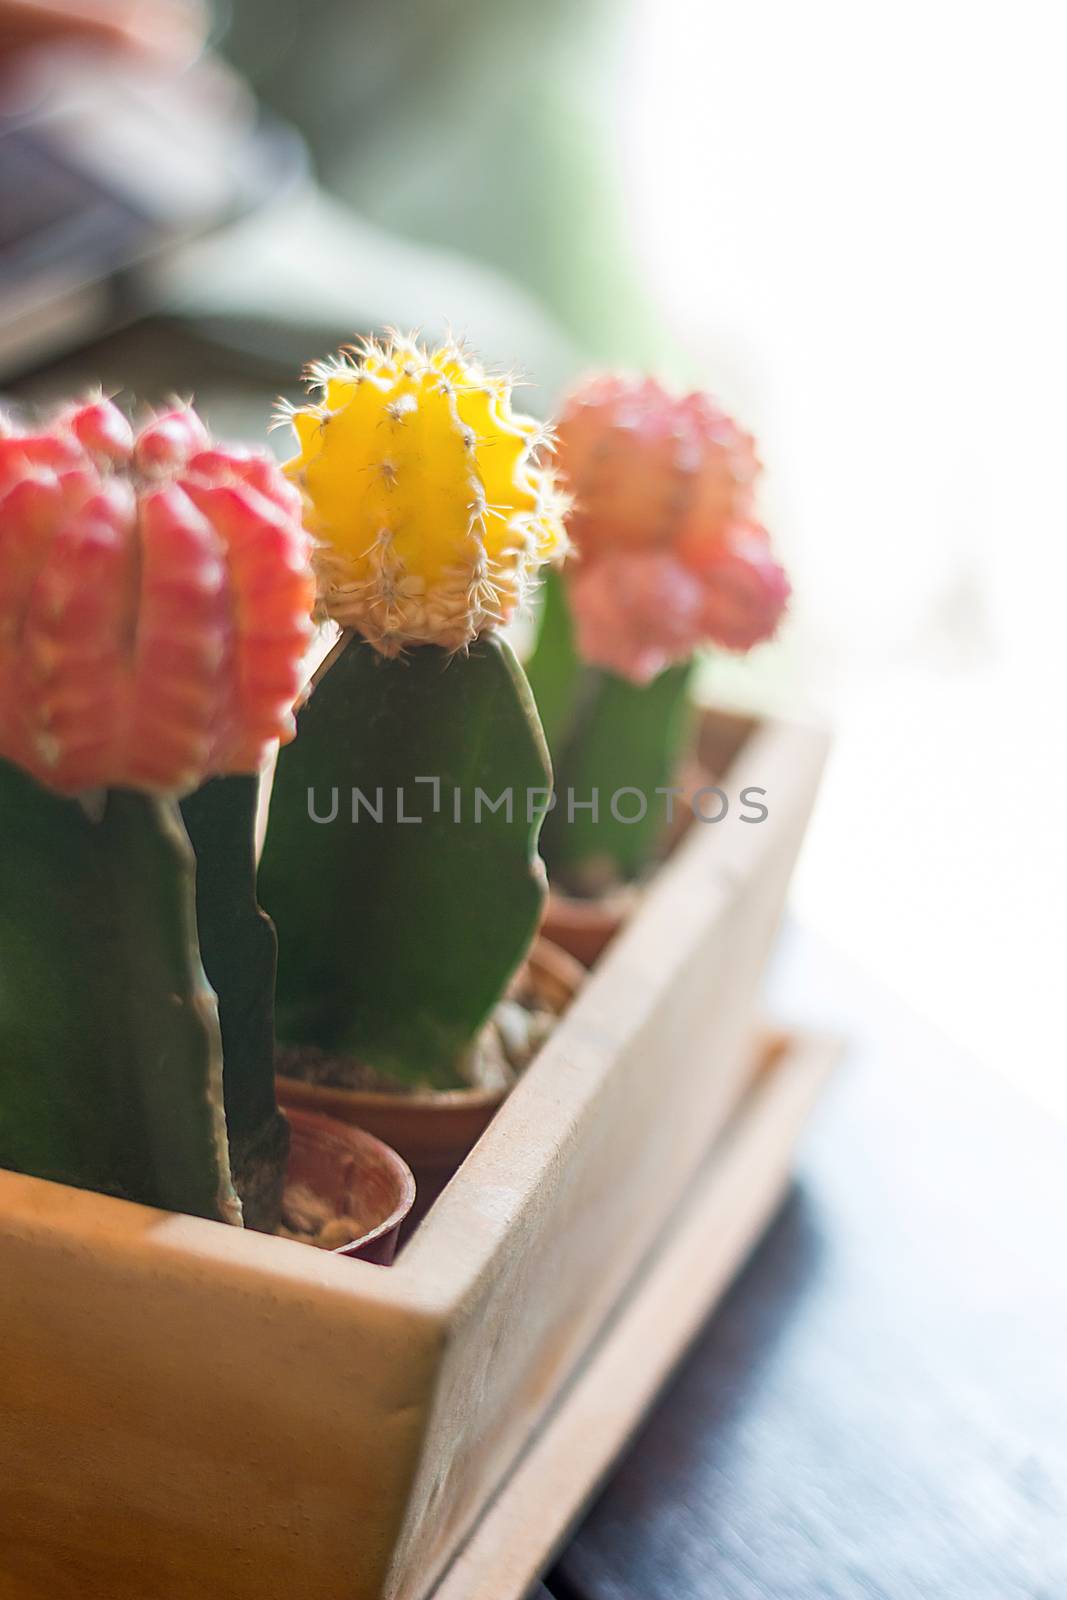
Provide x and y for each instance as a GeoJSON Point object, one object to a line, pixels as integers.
{"type": "Point", "coordinates": [555, 670]}
{"type": "Point", "coordinates": [397, 936]}
{"type": "Point", "coordinates": [606, 736]}
{"type": "Point", "coordinates": [109, 1036]}
{"type": "Point", "coordinates": [240, 955]}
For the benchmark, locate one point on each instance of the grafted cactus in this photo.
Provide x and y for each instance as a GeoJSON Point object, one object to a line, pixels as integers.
{"type": "Point", "coordinates": [432, 513]}
{"type": "Point", "coordinates": [668, 557]}
{"type": "Point", "coordinates": [154, 612]}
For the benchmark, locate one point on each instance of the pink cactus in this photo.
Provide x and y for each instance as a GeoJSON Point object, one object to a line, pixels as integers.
{"type": "Point", "coordinates": [636, 614]}
{"type": "Point", "coordinates": [155, 598]}
{"type": "Point", "coordinates": [645, 465]}
{"type": "Point", "coordinates": [668, 555]}
{"type": "Point", "coordinates": [745, 590]}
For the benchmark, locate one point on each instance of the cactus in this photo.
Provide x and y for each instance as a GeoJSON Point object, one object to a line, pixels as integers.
{"type": "Point", "coordinates": [396, 936]}
{"type": "Point", "coordinates": [424, 489]}
{"type": "Point", "coordinates": [647, 467]}
{"type": "Point", "coordinates": [432, 513]}
{"type": "Point", "coordinates": [668, 557]}
{"type": "Point", "coordinates": [154, 598]}
{"type": "Point", "coordinates": [607, 734]}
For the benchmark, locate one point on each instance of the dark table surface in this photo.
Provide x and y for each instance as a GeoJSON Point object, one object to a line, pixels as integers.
{"type": "Point", "coordinates": [878, 1410]}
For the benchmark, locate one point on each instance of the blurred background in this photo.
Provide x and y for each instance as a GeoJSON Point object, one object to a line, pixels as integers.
{"type": "Point", "coordinates": [845, 221]}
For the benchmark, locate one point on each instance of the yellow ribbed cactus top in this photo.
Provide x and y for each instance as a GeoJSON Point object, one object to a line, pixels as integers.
{"type": "Point", "coordinates": [425, 492]}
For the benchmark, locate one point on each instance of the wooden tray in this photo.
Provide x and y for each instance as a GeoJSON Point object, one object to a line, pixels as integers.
{"type": "Point", "coordinates": [735, 1195]}
{"type": "Point", "coordinates": [188, 1409]}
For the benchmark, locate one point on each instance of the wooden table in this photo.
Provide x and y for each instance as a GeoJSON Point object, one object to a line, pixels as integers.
{"type": "Point", "coordinates": [878, 1410]}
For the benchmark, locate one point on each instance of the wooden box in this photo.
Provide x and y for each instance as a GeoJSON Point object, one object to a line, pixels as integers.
{"type": "Point", "coordinates": [188, 1410]}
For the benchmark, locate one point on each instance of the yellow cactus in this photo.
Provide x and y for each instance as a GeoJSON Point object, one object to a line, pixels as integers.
{"type": "Point", "coordinates": [425, 493]}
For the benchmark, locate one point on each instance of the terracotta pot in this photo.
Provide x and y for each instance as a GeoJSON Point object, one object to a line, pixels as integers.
{"type": "Point", "coordinates": [585, 928]}
{"type": "Point", "coordinates": [434, 1130]}
{"type": "Point", "coordinates": [357, 1176]}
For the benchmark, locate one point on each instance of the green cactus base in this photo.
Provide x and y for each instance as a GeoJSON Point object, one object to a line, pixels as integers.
{"type": "Point", "coordinates": [399, 930]}
{"type": "Point", "coordinates": [616, 740]}
{"type": "Point", "coordinates": [109, 1038]}
{"type": "Point", "coordinates": [624, 746]}
{"type": "Point", "coordinates": [555, 671]}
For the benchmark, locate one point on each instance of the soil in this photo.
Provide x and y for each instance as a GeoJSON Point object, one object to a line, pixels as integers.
{"type": "Point", "coordinates": [312, 1220]}
{"type": "Point", "coordinates": [511, 1038]}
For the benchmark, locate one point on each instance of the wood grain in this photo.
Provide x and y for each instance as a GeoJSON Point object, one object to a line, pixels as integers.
{"type": "Point", "coordinates": [189, 1409]}
{"type": "Point", "coordinates": [535, 1242]}
{"type": "Point", "coordinates": [739, 1186]}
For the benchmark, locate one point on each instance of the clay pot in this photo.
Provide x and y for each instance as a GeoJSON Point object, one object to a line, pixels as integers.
{"type": "Point", "coordinates": [357, 1176]}
{"type": "Point", "coordinates": [585, 928]}
{"type": "Point", "coordinates": [434, 1130]}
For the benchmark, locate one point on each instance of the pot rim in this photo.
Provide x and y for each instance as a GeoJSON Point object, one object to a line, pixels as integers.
{"type": "Point", "coordinates": [349, 1133]}
{"type": "Point", "coordinates": [419, 1099]}
{"type": "Point", "coordinates": [614, 904]}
